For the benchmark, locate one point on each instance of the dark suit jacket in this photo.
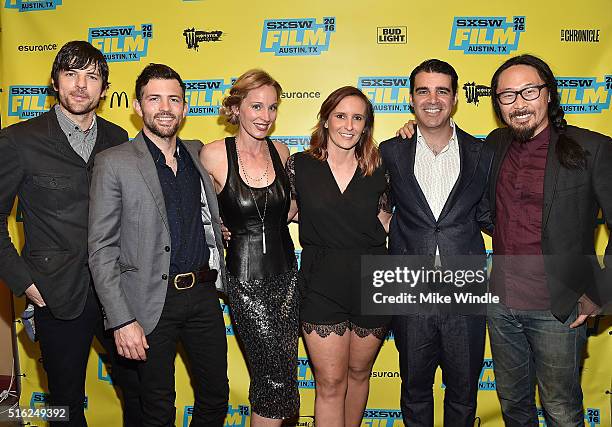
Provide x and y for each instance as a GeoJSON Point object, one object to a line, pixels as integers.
{"type": "Point", "coordinates": [52, 182]}
{"type": "Point", "coordinates": [572, 200]}
{"type": "Point", "coordinates": [413, 229]}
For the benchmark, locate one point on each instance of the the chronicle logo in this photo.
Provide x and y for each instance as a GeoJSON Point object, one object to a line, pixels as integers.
{"type": "Point", "coordinates": [194, 37]}
{"type": "Point", "coordinates": [492, 35]}
{"type": "Point", "coordinates": [584, 95]}
{"type": "Point", "coordinates": [388, 94]}
{"type": "Point", "coordinates": [474, 92]}
{"type": "Point", "coordinates": [580, 36]}
{"type": "Point", "coordinates": [236, 417]}
{"type": "Point", "coordinates": [26, 101]}
{"type": "Point", "coordinates": [297, 37]}
{"type": "Point", "coordinates": [295, 144]}
{"type": "Point", "coordinates": [382, 417]}
{"type": "Point", "coordinates": [122, 43]}
{"type": "Point", "coordinates": [32, 5]}
{"type": "Point", "coordinates": [118, 99]}
{"type": "Point", "coordinates": [391, 35]}
{"type": "Point", "coordinates": [204, 97]}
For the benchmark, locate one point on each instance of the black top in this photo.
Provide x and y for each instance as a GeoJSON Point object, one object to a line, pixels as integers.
{"type": "Point", "coordinates": [245, 258]}
{"type": "Point", "coordinates": [335, 220]}
{"type": "Point", "coordinates": [182, 196]}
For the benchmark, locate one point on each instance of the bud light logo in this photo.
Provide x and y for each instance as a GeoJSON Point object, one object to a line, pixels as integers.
{"type": "Point", "coordinates": [382, 418]}
{"type": "Point", "coordinates": [389, 94]}
{"type": "Point", "coordinates": [229, 330]}
{"type": "Point", "coordinates": [123, 43]}
{"type": "Point", "coordinates": [297, 37]}
{"type": "Point", "coordinates": [32, 5]}
{"type": "Point", "coordinates": [305, 378]}
{"type": "Point", "coordinates": [486, 35]}
{"type": "Point", "coordinates": [584, 95]}
{"type": "Point", "coordinates": [592, 417]}
{"type": "Point", "coordinates": [236, 417]}
{"type": "Point", "coordinates": [294, 143]}
{"type": "Point", "coordinates": [26, 101]}
{"type": "Point", "coordinates": [487, 376]}
{"type": "Point", "coordinates": [205, 97]}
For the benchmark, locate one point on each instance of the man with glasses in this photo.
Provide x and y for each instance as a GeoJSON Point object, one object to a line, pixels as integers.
{"type": "Point", "coordinates": [548, 182]}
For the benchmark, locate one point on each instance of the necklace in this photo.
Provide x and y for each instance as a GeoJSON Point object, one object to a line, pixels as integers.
{"type": "Point", "coordinates": [246, 176]}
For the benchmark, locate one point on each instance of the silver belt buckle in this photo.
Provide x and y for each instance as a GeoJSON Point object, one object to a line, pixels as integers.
{"type": "Point", "coordinates": [184, 275]}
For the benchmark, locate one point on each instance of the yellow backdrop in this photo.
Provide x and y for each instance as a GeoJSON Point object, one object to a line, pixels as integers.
{"type": "Point", "coordinates": [311, 48]}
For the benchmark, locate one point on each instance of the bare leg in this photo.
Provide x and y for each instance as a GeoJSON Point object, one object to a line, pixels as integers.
{"type": "Point", "coordinates": [259, 421]}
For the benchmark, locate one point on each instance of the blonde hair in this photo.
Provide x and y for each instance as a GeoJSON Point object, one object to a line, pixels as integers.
{"type": "Point", "coordinates": [250, 80]}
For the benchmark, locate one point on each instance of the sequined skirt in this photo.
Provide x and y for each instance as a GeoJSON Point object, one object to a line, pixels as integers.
{"type": "Point", "coordinates": [265, 314]}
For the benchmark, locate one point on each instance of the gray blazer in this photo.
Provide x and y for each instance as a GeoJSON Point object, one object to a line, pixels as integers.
{"type": "Point", "coordinates": [129, 233]}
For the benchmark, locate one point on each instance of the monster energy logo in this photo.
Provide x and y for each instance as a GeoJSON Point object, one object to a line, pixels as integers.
{"type": "Point", "coordinates": [194, 37]}
{"type": "Point", "coordinates": [473, 92]}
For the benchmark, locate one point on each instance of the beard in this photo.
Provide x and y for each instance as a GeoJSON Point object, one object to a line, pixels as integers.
{"type": "Point", "coordinates": [79, 109]}
{"type": "Point", "coordinates": [521, 133]}
{"type": "Point", "coordinates": [162, 132]}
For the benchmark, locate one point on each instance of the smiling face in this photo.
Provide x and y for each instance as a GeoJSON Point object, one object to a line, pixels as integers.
{"type": "Point", "coordinates": [257, 112]}
{"type": "Point", "coordinates": [79, 91]}
{"type": "Point", "coordinates": [162, 107]}
{"type": "Point", "coordinates": [524, 118]}
{"type": "Point", "coordinates": [346, 122]}
{"type": "Point", "coordinates": [433, 100]}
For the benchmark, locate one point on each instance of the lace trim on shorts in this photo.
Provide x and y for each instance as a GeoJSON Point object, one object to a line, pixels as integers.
{"type": "Point", "coordinates": [339, 329]}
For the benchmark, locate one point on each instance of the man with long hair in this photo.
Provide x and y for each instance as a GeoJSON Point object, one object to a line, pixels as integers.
{"type": "Point", "coordinates": [548, 182]}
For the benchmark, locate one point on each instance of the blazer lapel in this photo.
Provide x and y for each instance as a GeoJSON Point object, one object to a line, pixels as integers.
{"type": "Point", "coordinates": [194, 152]}
{"type": "Point", "coordinates": [405, 153]}
{"type": "Point", "coordinates": [551, 173]}
{"type": "Point", "coordinates": [498, 159]}
{"type": "Point", "coordinates": [469, 153]}
{"type": "Point", "coordinates": [147, 169]}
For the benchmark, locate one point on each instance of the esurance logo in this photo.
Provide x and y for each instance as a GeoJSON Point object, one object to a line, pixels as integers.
{"type": "Point", "coordinates": [204, 97]}
{"type": "Point", "coordinates": [592, 417]}
{"type": "Point", "coordinates": [584, 95]}
{"type": "Point", "coordinates": [305, 378]}
{"type": "Point", "coordinates": [122, 44]}
{"type": "Point", "coordinates": [236, 417]}
{"type": "Point", "coordinates": [388, 94]}
{"type": "Point", "coordinates": [229, 330]}
{"type": "Point", "coordinates": [32, 5]}
{"type": "Point", "coordinates": [382, 417]}
{"type": "Point", "coordinates": [295, 145]}
{"type": "Point", "coordinates": [486, 35]}
{"type": "Point", "coordinates": [26, 101]}
{"type": "Point", "coordinates": [297, 37]}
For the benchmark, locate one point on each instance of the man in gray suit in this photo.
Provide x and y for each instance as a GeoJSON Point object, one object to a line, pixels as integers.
{"type": "Point", "coordinates": [155, 254]}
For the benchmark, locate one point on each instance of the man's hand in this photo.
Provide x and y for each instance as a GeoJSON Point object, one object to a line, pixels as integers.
{"type": "Point", "coordinates": [586, 308]}
{"type": "Point", "coordinates": [131, 341]}
{"type": "Point", "coordinates": [227, 235]}
{"type": "Point", "coordinates": [407, 130]}
{"type": "Point", "coordinates": [34, 295]}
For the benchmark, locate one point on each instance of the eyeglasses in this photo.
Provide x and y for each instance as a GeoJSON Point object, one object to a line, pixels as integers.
{"type": "Point", "coordinates": [528, 94]}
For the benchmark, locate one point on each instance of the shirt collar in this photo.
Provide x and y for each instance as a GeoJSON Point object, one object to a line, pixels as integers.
{"type": "Point", "coordinates": [453, 143]}
{"type": "Point", "coordinates": [67, 125]}
{"type": "Point", "coordinates": [156, 153]}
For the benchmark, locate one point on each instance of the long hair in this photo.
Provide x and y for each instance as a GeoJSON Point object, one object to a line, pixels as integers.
{"type": "Point", "coordinates": [366, 152]}
{"type": "Point", "coordinates": [250, 80]}
{"type": "Point", "coordinates": [570, 154]}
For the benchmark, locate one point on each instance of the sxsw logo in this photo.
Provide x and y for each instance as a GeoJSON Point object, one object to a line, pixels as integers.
{"type": "Point", "coordinates": [297, 37]}
{"type": "Point", "coordinates": [305, 378]}
{"type": "Point", "coordinates": [295, 145]}
{"type": "Point", "coordinates": [584, 95]}
{"type": "Point", "coordinates": [204, 97]}
{"type": "Point", "coordinates": [229, 330]}
{"type": "Point", "coordinates": [103, 374]}
{"type": "Point", "coordinates": [123, 43]}
{"type": "Point", "coordinates": [27, 101]}
{"type": "Point", "coordinates": [382, 418]}
{"type": "Point", "coordinates": [32, 5]}
{"type": "Point", "coordinates": [236, 417]}
{"type": "Point", "coordinates": [39, 400]}
{"type": "Point", "coordinates": [298, 257]}
{"type": "Point", "coordinates": [388, 94]}
{"type": "Point", "coordinates": [486, 35]}
{"type": "Point", "coordinates": [592, 417]}
{"type": "Point", "coordinates": [487, 377]}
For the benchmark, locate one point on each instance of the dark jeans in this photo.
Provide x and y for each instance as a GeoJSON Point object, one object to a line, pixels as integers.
{"type": "Point", "coordinates": [65, 346]}
{"type": "Point", "coordinates": [453, 342]}
{"type": "Point", "coordinates": [530, 345]}
{"type": "Point", "coordinates": [194, 317]}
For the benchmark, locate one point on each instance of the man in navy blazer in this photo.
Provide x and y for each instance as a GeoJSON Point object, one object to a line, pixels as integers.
{"type": "Point", "coordinates": [438, 180]}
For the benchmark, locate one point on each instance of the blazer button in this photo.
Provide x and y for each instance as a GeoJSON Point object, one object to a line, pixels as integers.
{"type": "Point", "coordinates": [437, 229]}
{"type": "Point", "coordinates": [167, 248]}
{"type": "Point", "coordinates": [164, 277]}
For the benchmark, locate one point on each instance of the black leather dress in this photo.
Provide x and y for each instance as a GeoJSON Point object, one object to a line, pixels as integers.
{"type": "Point", "coordinates": [262, 287]}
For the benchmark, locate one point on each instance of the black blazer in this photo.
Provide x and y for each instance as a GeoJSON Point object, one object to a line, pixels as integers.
{"type": "Point", "coordinates": [413, 229]}
{"type": "Point", "coordinates": [38, 165]}
{"type": "Point", "coordinates": [572, 200]}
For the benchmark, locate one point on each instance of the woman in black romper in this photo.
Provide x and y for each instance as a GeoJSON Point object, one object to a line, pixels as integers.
{"type": "Point", "coordinates": [340, 189]}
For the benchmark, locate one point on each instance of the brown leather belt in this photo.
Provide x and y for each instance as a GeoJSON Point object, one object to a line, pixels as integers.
{"type": "Point", "coordinates": [184, 281]}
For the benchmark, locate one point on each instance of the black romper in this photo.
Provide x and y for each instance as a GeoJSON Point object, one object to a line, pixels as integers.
{"type": "Point", "coordinates": [335, 230]}
{"type": "Point", "coordinates": [262, 287]}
